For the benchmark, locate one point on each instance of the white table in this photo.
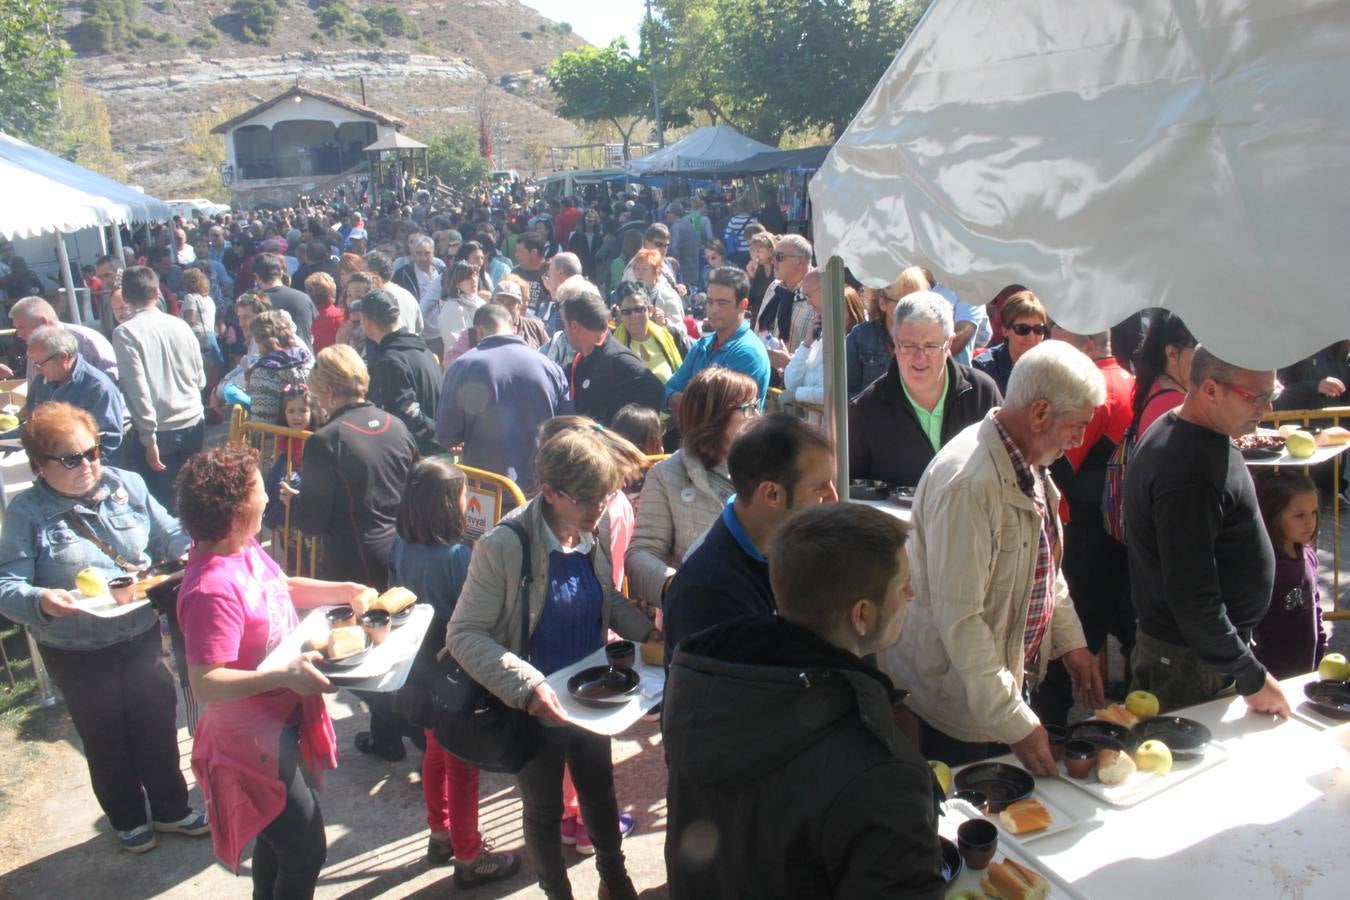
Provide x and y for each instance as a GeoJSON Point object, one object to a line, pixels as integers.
{"type": "Point", "coordinates": [1284, 460]}
{"type": "Point", "coordinates": [1271, 821]}
{"type": "Point", "coordinates": [901, 511]}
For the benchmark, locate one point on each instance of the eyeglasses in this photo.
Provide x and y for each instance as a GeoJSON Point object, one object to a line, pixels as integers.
{"type": "Point", "coordinates": [633, 310]}
{"type": "Point", "coordinates": [586, 502]}
{"type": "Point", "coordinates": [779, 257]}
{"type": "Point", "coordinates": [909, 349]}
{"type": "Point", "coordinates": [1254, 399]}
{"type": "Point", "coordinates": [1022, 329]}
{"type": "Point", "coordinates": [749, 410]}
{"type": "Point", "coordinates": [72, 460]}
{"type": "Point", "coordinates": [42, 362]}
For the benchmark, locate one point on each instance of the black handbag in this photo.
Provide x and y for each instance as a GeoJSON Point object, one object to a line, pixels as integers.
{"type": "Point", "coordinates": [468, 720]}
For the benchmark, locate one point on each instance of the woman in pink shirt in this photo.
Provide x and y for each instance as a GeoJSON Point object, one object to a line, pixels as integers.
{"type": "Point", "coordinates": [1162, 368]}
{"type": "Point", "coordinates": [265, 735]}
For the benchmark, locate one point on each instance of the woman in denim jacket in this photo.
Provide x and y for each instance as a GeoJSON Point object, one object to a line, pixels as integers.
{"type": "Point", "coordinates": [81, 515]}
{"type": "Point", "coordinates": [868, 345]}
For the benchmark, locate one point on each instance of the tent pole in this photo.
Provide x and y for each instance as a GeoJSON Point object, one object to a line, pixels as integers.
{"type": "Point", "coordinates": [63, 260]}
{"type": "Point", "coordinates": [836, 367]}
{"type": "Point", "coordinates": [118, 250]}
{"type": "Point", "coordinates": [102, 241]}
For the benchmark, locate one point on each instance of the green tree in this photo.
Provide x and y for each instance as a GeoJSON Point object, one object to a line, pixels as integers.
{"type": "Point", "coordinates": [602, 84]}
{"type": "Point", "coordinates": [778, 66]}
{"type": "Point", "coordinates": [453, 156]}
{"type": "Point", "coordinates": [107, 24]}
{"type": "Point", "coordinates": [82, 131]}
{"type": "Point", "coordinates": [32, 60]}
{"type": "Point", "coordinates": [258, 19]}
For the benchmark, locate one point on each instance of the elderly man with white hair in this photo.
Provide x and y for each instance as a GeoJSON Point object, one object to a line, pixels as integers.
{"type": "Point", "coordinates": [32, 313]}
{"type": "Point", "coordinates": [899, 422]}
{"type": "Point", "coordinates": [991, 608]}
{"type": "Point", "coordinates": [64, 375]}
{"type": "Point", "coordinates": [785, 315]}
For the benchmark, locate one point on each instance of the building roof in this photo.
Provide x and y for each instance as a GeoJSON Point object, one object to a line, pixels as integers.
{"type": "Point", "coordinates": [395, 141]}
{"type": "Point", "coordinates": [297, 91]}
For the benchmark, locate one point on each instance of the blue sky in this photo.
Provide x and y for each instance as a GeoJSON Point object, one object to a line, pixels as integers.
{"type": "Point", "coordinates": [598, 21]}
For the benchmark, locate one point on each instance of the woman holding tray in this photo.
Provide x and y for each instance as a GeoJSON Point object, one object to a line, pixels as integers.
{"type": "Point", "coordinates": [265, 734]}
{"type": "Point", "coordinates": [80, 514]}
{"type": "Point", "coordinates": [571, 605]}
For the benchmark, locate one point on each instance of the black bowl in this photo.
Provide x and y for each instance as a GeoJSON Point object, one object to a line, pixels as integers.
{"type": "Point", "coordinates": [603, 685]}
{"type": "Point", "coordinates": [903, 495]}
{"type": "Point", "coordinates": [1106, 735]}
{"type": "Point", "coordinates": [1330, 698]}
{"type": "Point", "coordinates": [347, 662]}
{"type": "Point", "coordinates": [1002, 783]}
{"type": "Point", "coordinates": [1186, 738]}
{"type": "Point", "coordinates": [339, 614]}
{"type": "Point", "coordinates": [951, 860]}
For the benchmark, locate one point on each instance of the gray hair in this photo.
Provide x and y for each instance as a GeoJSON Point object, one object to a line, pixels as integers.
{"type": "Point", "coordinates": [33, 309]}
{"type": "Point", "coordinates": [924, 308]}
{"type": "Point", "coordinates": [421, 241]}
{"type": "Point", "coordinates": [53, 339]}
{"type": "Point", "coordinates": [797, 243]}
{"type": "Point", "coordinates": [1058, 373]}
{"type": "Point", "coordinates": [569, 264]}
{"type": "Point", "coordinates": [576, 286]}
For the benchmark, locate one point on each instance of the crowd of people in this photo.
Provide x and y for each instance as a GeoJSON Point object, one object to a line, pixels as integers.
{"type": "Point", "coordinates": [1066, 488]}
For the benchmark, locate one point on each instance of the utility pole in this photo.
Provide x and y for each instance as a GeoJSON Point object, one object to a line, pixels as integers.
{"type": "Point", "coordinates": [656, 96]}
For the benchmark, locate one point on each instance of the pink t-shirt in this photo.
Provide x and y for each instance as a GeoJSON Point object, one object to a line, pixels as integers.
{"type": "Point", "coordinates": [621, 525]}
{"type": "Point", "coordinates": [234, 608]}
{"type": "Point", "coordinates": [1162, 401]}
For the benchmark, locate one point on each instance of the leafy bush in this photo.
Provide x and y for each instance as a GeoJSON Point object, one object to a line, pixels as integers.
{"type": "Point", "coordinates": [107, 24]}
{"type": "Point", "coordinates": [205, 39]}
{"type": "Point", "coordinates": [392, 21]}
{"type": "Point", "coordinates": [258, 19]}
{"type": "Point", "coordinates": [527, 35]}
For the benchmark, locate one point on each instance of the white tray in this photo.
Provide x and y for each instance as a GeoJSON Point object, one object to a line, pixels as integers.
{"type": "Point", "coordinates": [1060, 818]}
{"type": "Point", "coordinates": [1009, 847]}
{"type": "Point", "coordinates": [104, 606]}
{"type": "Point", "coordinates": [1142, 785]}
{"type": "Point", "coordinates": [610, 720]}
{"type": "Point", "coordinates": [385, 667]}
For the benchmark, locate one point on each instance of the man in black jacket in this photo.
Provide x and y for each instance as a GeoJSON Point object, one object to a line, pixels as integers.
{"type": "Point", "coordinates": [404, 377]}
{"type": "Point", "coordinates": [899, 422]}
{"type": "Point", "coordinates": [778, 464]}
{"type": "Point", "coordinates": [788, 776]}
{"type": "Point", "coordinates": [604, 375]}
{"type": "Point", "coordinates": [267, 269]}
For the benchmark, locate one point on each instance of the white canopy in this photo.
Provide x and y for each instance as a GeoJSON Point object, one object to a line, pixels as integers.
{"type": "Point", "coordinates": [702, 148]}
{"type": "Point", "coordinates": [45, 193]}
{"type": "Point", "coordinates": [1112, 156]}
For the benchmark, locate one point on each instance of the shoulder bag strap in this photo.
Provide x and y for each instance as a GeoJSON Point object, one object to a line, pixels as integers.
{"type": "Point", "coordinates": [526, 579]}
{"type": "Point", "coordinates": [82, 528]}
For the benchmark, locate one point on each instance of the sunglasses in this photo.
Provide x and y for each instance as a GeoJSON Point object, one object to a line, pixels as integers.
{"type": "Point", "coordinates": [1022, 329]}
{"type": "Point", "coordinates": [779, 257]}
{"type": "Point", "coordinates": [632, 310]}
{"type": "Point", "coordinates": [72, 460]}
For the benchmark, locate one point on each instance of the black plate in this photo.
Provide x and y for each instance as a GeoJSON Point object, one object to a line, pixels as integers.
{"type": "Point", "coordinates": [952, 863]}
{"type": "Point", "coordinates": [603, 685]}
{"type": "Point", "coordinates": [1261, 453]}
{"type": "Point", "coordinates": [1002, 783]}
{"type": "Point", "coordinates": [867, 489]}
{"type": "Point", "coordinates": [347, 662]}
{"type": "Point", "coordinates": [1186, 738]}
{"type": "Point", "coordinates": [1104, 735]}
{"type": "Point", "coordinates": [1330, 698]}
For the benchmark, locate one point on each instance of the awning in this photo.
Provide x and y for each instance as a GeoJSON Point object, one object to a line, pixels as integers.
{"type": "Point", "coordinates": [709, 147]}
{"type": "Point", "coordinates": [808, 159]}
{"type": "Point", "coordinates": [46, 193]}
{"type": "Point", "coordinates": [1113, 156]}
{"type": "Point", "coordinates": [395, 141]}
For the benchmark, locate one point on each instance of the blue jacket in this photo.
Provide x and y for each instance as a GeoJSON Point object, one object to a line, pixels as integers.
{"type": "Point", "coordinates": [92, 391]}
{"type": "Point", "coordinates": [39, 551]}
{"type": "Point", "coordinates": [742, 352]}
{"type": "Point", "coordinates": [434, 572]}
{"type": "Point", "coordinates": [493, 401]}
{"type": "Point", "coordinates": [997, 363]}
{"type": "Point", "coordinates": [869, 356]}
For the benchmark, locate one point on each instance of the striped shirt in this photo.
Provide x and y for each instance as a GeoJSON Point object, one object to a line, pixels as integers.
{"type": "Point", "coordinates": [1042, 606]}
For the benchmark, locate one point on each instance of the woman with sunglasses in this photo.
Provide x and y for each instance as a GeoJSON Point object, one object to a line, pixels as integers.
{"type": "Point", "coordinates": [81, 515]}
{"type": "Point", "coordinates": [656, 345]}
{"type": "Point", "coordinates": [571, 604]}
{"type": "Point", "coordinates": [1025, 324]}
{"type": "Point", "coordinates": [684, 494]}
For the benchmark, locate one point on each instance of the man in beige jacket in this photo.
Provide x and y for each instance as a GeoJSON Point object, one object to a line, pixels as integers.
{"type": "Point", "coordinates": [991, 608]}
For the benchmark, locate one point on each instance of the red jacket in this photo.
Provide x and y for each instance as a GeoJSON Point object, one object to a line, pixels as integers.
{"type": "Point", "coordinates": [1110, 421]}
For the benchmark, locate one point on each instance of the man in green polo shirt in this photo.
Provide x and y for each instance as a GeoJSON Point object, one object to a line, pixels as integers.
{"type": "Point", "coordinates": [897, 424]}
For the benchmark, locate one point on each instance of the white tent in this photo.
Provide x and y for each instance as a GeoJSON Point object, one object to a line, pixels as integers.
{"type": "Point", "coordinates": [703, 148]}
{"type": "Point", "coordinates": [1112, 156]}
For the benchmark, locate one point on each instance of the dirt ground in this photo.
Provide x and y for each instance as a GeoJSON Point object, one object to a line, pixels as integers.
{"type": "Point", "coordinates": [55, 842]}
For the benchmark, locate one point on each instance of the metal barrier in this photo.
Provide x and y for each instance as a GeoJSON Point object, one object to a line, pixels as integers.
{"type": "Point", "coordinates": [488, 491]}
{"type": "Point", "coordinates": [297, 552]}
{"type": "Point", "coordinates": [1332, 415]}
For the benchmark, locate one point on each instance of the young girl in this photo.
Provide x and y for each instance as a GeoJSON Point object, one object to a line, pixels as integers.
{"type": "Point", "coordinates": [430, 557]}
{"type": "Point", "coordinates": [1290, 641]}
{"type": "Point", "coordinates": [641, 426]}
{"type": "Point", "coordinates": [300, 411]}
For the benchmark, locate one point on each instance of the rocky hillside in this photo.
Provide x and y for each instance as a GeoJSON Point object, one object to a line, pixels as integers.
{"type": "Point", "coordinates": [180, 66]}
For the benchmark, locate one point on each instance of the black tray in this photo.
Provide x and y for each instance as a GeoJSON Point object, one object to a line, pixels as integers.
{"type": "Point", "coordinates": [1102, 734]}
{"type": "Point", "coordinates": [1330, 698]}
{"type": "Point", "coordinates": [1186, 738]}
{"type": "Point", "coordinates": [603, 685]}
{"type": "Point", "coordinates": [1003, 783]}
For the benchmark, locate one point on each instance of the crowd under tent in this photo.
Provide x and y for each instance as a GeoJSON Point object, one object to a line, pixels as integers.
{"type": "Point", "coordinates": [710, 147]}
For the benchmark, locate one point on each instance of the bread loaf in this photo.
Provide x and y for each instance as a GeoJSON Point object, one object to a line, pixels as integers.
{"type": "Point", "coordinates": [1118, 714]}
{"type": "Point", "coordinates": [344, 642]}
{"type": "Point", "coordinates": [1010, 881]}
{"type": "Point", "coordinates": [1114, 766]}
{"type": "Point", "coordinates": [1025, 816]}
{"type": "Point", "coordinates": [1334, 436]}
{"type": "Point", "coordinates": [395, 600]}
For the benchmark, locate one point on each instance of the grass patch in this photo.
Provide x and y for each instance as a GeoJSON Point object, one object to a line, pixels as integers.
{"type": "Point", "coordinates": [18, 702]}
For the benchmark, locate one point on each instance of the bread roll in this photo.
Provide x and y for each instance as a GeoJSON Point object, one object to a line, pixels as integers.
{"type": "Point", "coordinates": [395, 600]}
{"type": "Point", "coordinates": [1011, 881]}
{"type": "Point", "coordinates": [1024, 816]}
{"type": "Point", "coordinates": [346, 641]}
{"type": "Point", "coordinates": [1118, 714]}
{"type": "Point", "coordinates": [366, 599]}
{"type": "Point", "coordinates": [1113, 766]}
{"type": "Point", "coordinates": [1334, 436]}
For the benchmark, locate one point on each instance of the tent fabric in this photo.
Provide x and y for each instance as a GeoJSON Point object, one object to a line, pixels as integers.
{"type": "Point", "coordinates": [395, 141]}
{"type": "Point", "coordinates": [807, 159]}
{"type": "Point", "coordinates": [47, 193]}
{"type": "Point", "coordinates": [1113, 156]}
{"type": "Point", "coordinates": [703, 148]}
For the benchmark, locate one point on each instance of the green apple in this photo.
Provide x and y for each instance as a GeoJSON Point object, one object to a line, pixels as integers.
{"type": "Point", "coordinates": [1142, 704]}
{"type": "Point", "coordinates": [943, 773]}
{"type": "Point", "coordinates": [1301, 444]}
{"type": "Point", "coordinates": [1334, 667]}
{"type": "Point", "coordinates": [1153, 756]}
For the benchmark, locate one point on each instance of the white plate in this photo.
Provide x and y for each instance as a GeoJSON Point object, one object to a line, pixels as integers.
{"type": "Point", "coordinates": [400, 647]}
{"type": "Point", "coordinates": [1060, 819]}
{"type": "Point", "coordinates": [1142, 785]}
{"type": "Point", "coordinates": [1009, 847]}
{"type": "Point", "coordinates": [104, 606]}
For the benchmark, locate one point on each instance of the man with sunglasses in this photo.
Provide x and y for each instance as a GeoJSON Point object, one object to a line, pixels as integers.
{"type": "Point", "coordinates": [786, 303]}
{"type": "Point", "coordinates": [1201, 564]}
